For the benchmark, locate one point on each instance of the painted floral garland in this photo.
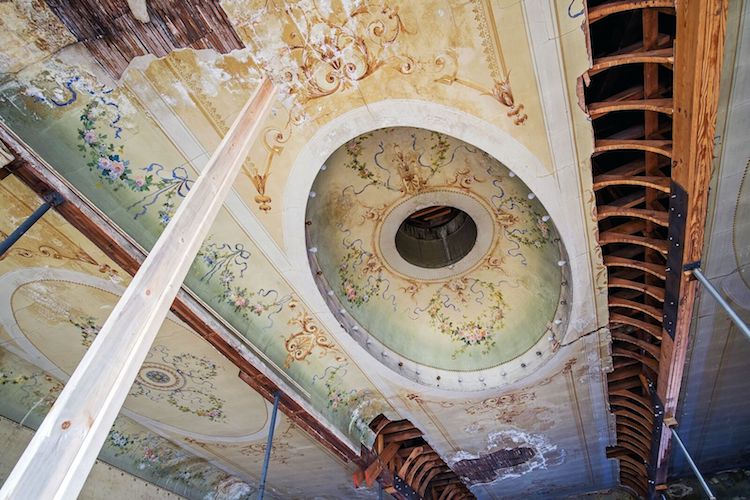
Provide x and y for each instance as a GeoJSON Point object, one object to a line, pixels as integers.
{"type": "Point", "coordinates": [477, 331]}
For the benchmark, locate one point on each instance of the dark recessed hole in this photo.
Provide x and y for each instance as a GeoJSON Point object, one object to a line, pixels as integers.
{"type": "Point", "coordinates": [436, 236]}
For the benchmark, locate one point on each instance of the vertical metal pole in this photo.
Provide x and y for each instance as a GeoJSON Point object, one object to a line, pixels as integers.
{"type": "Point", "coordinates": [52, 200]}
{"type": "Point", "coordinates": [704, 485]}
{"type": "Point", "coordinates": [723, 303]}
{"type": "Point", "coordinates": [380, 491]}
{"type": "Point", "coordinates": [269, 444]}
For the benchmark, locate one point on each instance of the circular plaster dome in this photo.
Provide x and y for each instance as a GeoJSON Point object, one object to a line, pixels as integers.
{"type": "Point", "coordinates": [435, 257]}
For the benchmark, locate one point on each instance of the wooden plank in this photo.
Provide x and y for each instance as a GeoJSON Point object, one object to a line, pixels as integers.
{"type": "Point", "coordinates": [651, 329]}
{"type": "Point", "coordinates": [608, 8]}
{"type": "Point", "coordinates": [597, 109]}
{"type": "Point", "coordinates": [650, 290]}
{"type": "Point", "coordinates": [609, 237]}
{"type": "Point", "coordinates": [657, 56]}
{"type": "Point", "coordinates": [658, 183]}
{"type": "Point", "coordinates": [660, 217]}
{"type": "Point", "coordinates": [77, 211]}
{"type": "Point", "coordinates": [380, 464]}
{"type": "Point", "coordinates": [661, 147]}
{"type": "Point", "coordinates": [68, 441]}
{"type": "Point", "coordinates": [648, 267]}
{"type": "Point", "coordinates": [652, 311]}
{"type": "Point", "coordinates": [625, 353]}
{"type": "Point", "coordinates": [652, 349]}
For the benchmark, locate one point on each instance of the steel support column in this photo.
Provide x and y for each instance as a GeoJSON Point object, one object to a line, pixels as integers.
{"type": "Point", "coordinates": [698, 474]}
{"type": "Point", "coordinates": [51, 200]}
{"type": "Point", "coordinates": [722, 302]}
{"type": "Point", "coordinates": [269, 445]}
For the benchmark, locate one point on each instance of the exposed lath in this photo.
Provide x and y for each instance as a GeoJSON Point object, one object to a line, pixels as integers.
{"type": "Point", "coordinates": [115, 36]}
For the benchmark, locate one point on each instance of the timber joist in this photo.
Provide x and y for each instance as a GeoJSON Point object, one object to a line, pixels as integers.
{"type": "Point", "coordinates": [629, 98]}
{"type": "Point", "coordinates": [406, 466]}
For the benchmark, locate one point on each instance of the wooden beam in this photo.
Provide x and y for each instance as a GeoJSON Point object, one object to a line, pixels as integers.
{"type": "Point", "coordinates": [653, 269]}
{"type": "Point", "coordinates": [661, 147]}
{"type": "Point", "coordinates": [380, 464]}
{"type": "Point", "coordinates": [597, 109]}
{"type": "Point", "coordinates": [699, 53]}
{"type": "Point", "coordinates": [652, 311]}
{"type": "Point", "coordinates": [660, 217]}
{"type": "Point", "coordinates": [77, 211]}
{"type": "Point", "coordinates": [653, 182]}
{"type": "Point", "coordinates": [650, 290]}
{"type": "Point", "coordinates": [657, 56]}
{"type": "Point", "coordinates": [642, 344]}
{"type": "Point", "coordinates": [608, 237]}
{"type": "Point", "coordinates": [68, 441]}
{"type": "Point", "coordinates": [608, 8]}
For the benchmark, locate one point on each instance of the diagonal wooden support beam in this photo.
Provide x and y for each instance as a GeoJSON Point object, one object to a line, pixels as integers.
{"type": "Point", "coordinates": [58, 459]}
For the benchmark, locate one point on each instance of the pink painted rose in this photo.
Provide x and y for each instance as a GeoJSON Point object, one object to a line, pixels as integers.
{"type": "Point", "coordinates": [116, 169]}
{"type": "Point", "coordinates": [90, 137]}
{"type": "Point", "coordinates": [104, 163]}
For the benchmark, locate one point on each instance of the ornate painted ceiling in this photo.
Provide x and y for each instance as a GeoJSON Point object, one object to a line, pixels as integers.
{"type": "Point", "coordinates": [481, 95]}
{"type": "Point", "coordinates": [489, 308]}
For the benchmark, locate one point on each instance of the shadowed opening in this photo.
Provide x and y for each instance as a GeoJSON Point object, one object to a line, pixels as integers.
{"type": "Point", "coordinates": [436, 236]}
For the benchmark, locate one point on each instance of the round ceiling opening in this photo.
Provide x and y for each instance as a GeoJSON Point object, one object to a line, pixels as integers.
{"type": "Point", "coordinates": [436, 236]}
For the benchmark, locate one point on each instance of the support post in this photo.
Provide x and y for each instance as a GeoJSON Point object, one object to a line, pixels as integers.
{"type": "Point", "coordinates": [51, 200]}
{"type": "Point", "coordinates": [269, 444]}
{"type": "Point", "coordinates": [698, 474]}
{"type": "Point", "coordinates": [58, 459]}
{"type": "Point", "coordinates": [722, 302]}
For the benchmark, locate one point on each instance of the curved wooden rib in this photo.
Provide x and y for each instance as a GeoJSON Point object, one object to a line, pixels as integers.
{"type": "Point", "coordinates": [653, 330]}
{"type": "Point", "coordinates": [417, 465]}
{"type": "Point", "coordinates": [624, 353]}
{"type": "Point", "coordinates": [606, 9]}
{"type": "Point", "coordinates": [632, 427]}
{"type": "Point", "coordinates": [597, 109]}
{"type": "Point", "coordinates": [415, 453]}
{"type": "Point", "coordinates": [653, 269]}
{"type": "Point", "coordinates": [635, 397]}
{"type": "Point", "coordinates": [633, 462]}
{"type": "Point", "coordinates": [650, 290]}
{"type": "Point", "coordinates": [424, 481]}
{"type": "Point", "coordinates": [636, 306]}
{"type": "Point", "coordinates": [629, 467]}
{"type": "Point", "coordinates": [660, 217]}
{"type": "Point", "coordinates": [626, 403]}
{"type": "Point", "coordinates": [633, 449]}
{"type": "Point", "coordinates": [649, 348]}
{"type": "Point", "coordinates": [663, 148]}
{"type": "Point", "coordinates": [634, 485]}
{"type": "Point", "coordinates": [653, 182]}
{"type": "Point", "coordinates": [448, 492]}
{"type": "Point", "coordinates": [657, 56]}
{"type": "Point", "coordinates": [608, 237]}
{"type": "Point", "coordinates": [623, 439]}
{"type": "Point", "coordinates": [624, 414]}
{"type": "Point", "coordinates": [630, 481]}
{"type": "Point", "coordinates": [640, 438]}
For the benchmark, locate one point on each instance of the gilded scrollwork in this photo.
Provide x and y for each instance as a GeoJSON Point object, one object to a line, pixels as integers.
{"type": "Point", "coordinates": [308, 337]}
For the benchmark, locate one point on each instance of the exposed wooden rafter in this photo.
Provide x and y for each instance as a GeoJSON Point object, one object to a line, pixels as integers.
{"type": "Point", "coordinates": [406, 466]}
{"type": "Point", "coordinates": [636, 162]}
